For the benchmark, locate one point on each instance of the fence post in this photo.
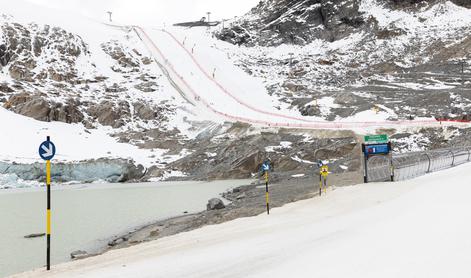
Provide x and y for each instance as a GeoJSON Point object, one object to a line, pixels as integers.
{"type": "Point", "coordinates": [365, 172]}
{"type": "Point", "coordinates": [429, 162]}
{"type": "Point", "coordinates": [453, 161]}
{"type": "Point", "coordinates": [391, 161]}
{"type": "Point", "coordinates": [469, 153]}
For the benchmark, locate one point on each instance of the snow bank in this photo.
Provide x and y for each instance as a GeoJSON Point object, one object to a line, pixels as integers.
{"type": "Point", "coordinates": [73, 141]}
{"type": "Point", "coordinates": [414, 228]}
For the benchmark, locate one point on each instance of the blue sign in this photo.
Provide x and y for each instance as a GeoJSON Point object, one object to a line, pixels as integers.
{"type": "Point", "coordinates": [47, 150]}
{"type": "Point", "coordinates": [376, 149]}
{"type": "Point", "coordinates": [265, 167]}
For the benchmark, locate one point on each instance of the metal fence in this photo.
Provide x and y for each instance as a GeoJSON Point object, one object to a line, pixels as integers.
{"type": "Point", "coordinates": [410, 165]}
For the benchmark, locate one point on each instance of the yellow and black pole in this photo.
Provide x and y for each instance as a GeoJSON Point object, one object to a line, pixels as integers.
{"type": "Point", "coordinates": [47, 151]}
{"type": "Point", "coordinates": [325, 184]}
{"type": "Point", "coordinates": [323, 173]}
{"type": "Point", "coordinates": [267, 196]}
{"type": "Point", "coordinates": [48, 215]}
{"type": "Point", "coordinates": [320, 183]}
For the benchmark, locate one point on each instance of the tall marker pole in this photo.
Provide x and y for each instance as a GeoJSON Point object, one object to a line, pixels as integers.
{"type": "Point", "coordinates": [48, 215]}
{"type": "Point", "coordinates": [47, 150]}
{"type": "Point", "coordinates": [320, 183]}
{"type": "Point", "coordinates": [325, 184]}
{"type": "Point", "coordinates": [266, 192]}
{"type": "Point", "coordinates": [323, 173]}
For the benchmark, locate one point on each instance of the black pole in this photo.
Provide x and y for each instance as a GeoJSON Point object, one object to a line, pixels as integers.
{"type": "Point", "coordinates": [266, 192]}
{"type": "Point", "coordinates": [365, 172]}
{"type": "Point", "coordinates": [391, 161]}
{"type": "Point", "coordinates": [320, 183]}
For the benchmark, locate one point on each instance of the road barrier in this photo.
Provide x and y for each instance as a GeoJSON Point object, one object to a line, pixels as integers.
{"type": "Point", "coordinates": [410, 165]}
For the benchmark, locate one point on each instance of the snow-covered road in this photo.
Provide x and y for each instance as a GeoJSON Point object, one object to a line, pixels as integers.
{"type": "Point", "coordinates": [415, 228]}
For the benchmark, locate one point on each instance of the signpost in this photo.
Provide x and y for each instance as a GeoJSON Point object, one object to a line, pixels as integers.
{"type": "Point", "coordinates": [376, 145]}
{"type": "Point", "coordinates": [376, 139]}
{"type": "Point", "coordinates": [377, 149]}
{"type": "Point", "coordinates": [47, 150]}
{"type": "Point", "coordinates": [323, 173]}
{"type": "Point", "coordinates": [265, 168]}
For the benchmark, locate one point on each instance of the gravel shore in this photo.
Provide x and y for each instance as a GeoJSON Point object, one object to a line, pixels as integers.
{"type": "Point", "coordinates": [245, 201]}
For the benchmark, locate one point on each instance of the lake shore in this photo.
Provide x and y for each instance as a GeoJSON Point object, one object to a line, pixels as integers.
{"type": "Point", "coordinates": [245, 201]}
{"type": "Point", "coordinates": [87, 216]}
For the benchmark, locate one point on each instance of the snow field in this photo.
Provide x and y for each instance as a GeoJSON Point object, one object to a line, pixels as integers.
{"type": "Point", "coordinates": [414, 228]}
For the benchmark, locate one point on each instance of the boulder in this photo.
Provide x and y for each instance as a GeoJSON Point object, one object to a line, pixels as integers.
{"type": "Point", "coordinates": [33, 107]}
{"type": "Point", "coordinates": [79, 254]}
{"type": "Point", "coordinates": [214, 204]}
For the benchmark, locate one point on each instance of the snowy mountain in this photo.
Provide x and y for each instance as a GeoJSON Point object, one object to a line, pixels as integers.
{"type": "Point", "coordinates": [403, 58]}
{"type": "Point", "coordinates": [189, 102]}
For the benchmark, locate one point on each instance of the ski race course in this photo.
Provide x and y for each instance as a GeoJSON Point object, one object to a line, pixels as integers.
{"type": "Point", "coordinates": [228, 93]}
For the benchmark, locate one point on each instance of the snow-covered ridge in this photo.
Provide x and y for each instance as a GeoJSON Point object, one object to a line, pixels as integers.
{"type": "Point", "coordinates": [99, 80]}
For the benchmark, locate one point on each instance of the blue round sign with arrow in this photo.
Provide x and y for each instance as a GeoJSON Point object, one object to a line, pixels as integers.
{"type": "Point", "coordinates": [47, 150]}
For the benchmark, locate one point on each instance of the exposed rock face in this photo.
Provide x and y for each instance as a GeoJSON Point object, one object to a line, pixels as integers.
{"type": "Point", "coordinates": [52, 69]}
{"type": "Point", "coordinates": [26, 44]}
{"type": "Point", "coordinates": [215, 203]}
{"type": "Point", "coordinates": [237, 155]}
{"type": "Point", "coordinates": [295, 22]}
{"type": "Point", "coordinates": [4, 55]}
{"type": "Point", "coordinates": [118, 53]}
{"type": "Point", "coordinates": [110, 114]}
{"type": "Point", "coordinates": [144, 111]}
{"type": "Point", "coordinates": [421, 3]}
{"type": "Point", "coordinates": [37, 107]}
{"type": "Point", "coordinates": [275, 22]}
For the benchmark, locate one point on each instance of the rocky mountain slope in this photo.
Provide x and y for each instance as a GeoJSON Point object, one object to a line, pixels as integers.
{"type": "Point", "coordinates": [338, 58]}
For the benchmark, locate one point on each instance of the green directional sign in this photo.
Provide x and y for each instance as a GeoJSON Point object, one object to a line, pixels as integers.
{"type": "Point", "coordinates": [380, 138]}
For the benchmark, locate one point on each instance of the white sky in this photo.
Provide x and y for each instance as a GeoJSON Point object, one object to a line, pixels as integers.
{"type": "Point", "coordinates": [153, 12]}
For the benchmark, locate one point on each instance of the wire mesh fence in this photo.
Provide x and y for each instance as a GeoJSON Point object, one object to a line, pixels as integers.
{"type": "Point", "coordinates": [410, 165]}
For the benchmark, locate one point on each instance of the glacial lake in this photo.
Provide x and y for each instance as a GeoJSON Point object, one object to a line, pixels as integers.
{"type": "Point", "coordinates": [85, 217]}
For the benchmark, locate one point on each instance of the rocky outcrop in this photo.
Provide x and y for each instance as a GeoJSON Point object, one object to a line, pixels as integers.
{"type": "Point", "coordinates": [423, 3]}
{"type": "Point", "coordinates": [237, 155]}
{"type": "Point", "coordinates": [272, 23]}
{"type": "Point", "coordinates": [295, 22]}
{"type": "Point", "coordinates": [109, 113]}
{"type": "Point", "coordinates": [144, 111]}
{"type": "Point", "coordinates": [37, 107]}
{"type": "Point", "coordinates": [4, 55]}
{"type": "Point", "coordinates": [117, 52]}
{"type": "Point", "coordinates": [25, 44]}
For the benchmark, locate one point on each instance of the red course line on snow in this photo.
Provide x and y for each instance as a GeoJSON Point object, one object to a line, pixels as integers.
{"type": "Point", "coordinates": [310, 124]}
{"type": "Point", "coordinates": [266, 112]}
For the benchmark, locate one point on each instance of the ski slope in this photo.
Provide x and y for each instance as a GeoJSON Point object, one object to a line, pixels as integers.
{"type": "Point", "coordinates": [213, 84]}
{"type": "Point", "coordinates": [415, 228]}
